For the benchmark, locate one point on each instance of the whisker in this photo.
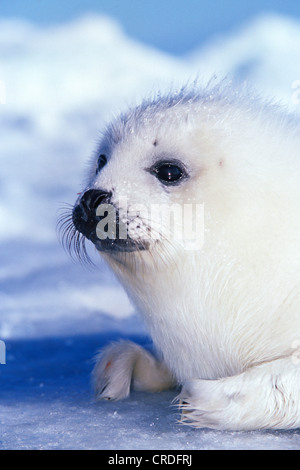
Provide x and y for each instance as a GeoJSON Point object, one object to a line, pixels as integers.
{"type": "Point", "coordinates": [72, 241]}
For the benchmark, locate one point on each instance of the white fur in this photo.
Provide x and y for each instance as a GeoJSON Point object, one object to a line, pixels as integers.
{"type": "Point", "coordinates": [224, 318]}
{"type": "Point", "coordinates": [123, 365]}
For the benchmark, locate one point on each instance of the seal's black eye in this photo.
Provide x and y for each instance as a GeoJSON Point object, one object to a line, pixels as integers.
{"type": "Point", "coordinates": [168, 172]}
{"type": "Point", "coordinates": [102, 160]}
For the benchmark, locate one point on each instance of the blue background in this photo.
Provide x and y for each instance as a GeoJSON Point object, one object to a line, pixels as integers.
{"type": "Point", "coordinates": [186, 23]}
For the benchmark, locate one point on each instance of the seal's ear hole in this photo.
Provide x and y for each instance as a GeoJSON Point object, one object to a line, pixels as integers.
{"type": "Point", "coordinates": [102, 160]}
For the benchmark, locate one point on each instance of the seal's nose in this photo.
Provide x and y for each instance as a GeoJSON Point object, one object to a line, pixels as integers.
{"type": "Point", "coordinates": [84, 213]}
{"type": "Point", "coordinates": [91, 199]}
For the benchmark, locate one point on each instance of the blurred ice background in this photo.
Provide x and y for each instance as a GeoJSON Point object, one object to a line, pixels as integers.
{"type": "Point", "coordinates": [65, 69]}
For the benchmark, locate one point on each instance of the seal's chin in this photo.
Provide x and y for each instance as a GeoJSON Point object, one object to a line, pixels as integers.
{"type": "Point", "coordinates": [127, 245]}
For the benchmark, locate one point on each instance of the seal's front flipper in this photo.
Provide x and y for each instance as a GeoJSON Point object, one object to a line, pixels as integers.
{"type": "Point", "coordinates": [125, 365]}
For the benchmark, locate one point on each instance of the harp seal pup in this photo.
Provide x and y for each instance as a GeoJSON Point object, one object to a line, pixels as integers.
{"type": "Point", "coordinates": [224, 315]}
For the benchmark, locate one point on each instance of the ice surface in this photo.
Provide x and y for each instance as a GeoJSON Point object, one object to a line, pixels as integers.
{"type": "Point", "coordinates": [62, 84]}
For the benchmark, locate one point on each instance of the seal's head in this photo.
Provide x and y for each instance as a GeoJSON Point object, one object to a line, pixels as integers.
{"type": "Point", "coordinates": [142, 180]}
{"type": "Point", "coordinates": [159, 165]}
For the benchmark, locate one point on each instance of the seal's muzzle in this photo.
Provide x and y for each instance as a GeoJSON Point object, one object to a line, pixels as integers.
{"type": "Point", "coordinates": [86, 218]}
